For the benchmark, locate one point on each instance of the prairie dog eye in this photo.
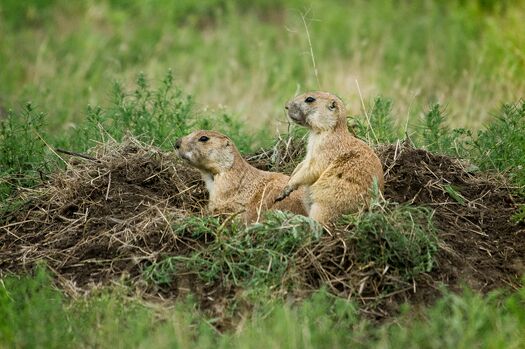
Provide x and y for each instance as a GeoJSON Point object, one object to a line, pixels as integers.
{"type": "Point", "coordinates": [309, 99]}
{"type": "Point", "coordinates": [203, 139]}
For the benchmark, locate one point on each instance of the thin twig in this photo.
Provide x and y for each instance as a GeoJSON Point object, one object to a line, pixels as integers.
{"type": "Point", "coordinates": [79, 155]}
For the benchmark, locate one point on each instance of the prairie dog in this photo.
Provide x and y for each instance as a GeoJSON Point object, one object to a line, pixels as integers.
{"type": "Point", "coordinates": [233, 184]}
{"type": "Point", "coordinates": [338, 170]}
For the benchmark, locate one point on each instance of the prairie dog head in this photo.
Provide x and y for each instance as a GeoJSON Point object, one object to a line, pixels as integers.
{"type": "Point", "coordinates": [208, 151]}
{"type": "Point", "coordinates": [320, 111]}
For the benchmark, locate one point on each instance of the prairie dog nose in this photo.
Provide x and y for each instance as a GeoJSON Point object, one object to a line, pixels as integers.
{"type": "Point", "coordinates": [177, 143]}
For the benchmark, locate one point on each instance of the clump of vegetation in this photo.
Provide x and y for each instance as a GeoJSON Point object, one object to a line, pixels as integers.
{"type": "Point", "coordinates": [501, 145]}
{"type": "Point", "coordinates": [498, 146]}
{"type": "Point", "coordinates": [255, 256]}
{"type": "Point", "coordinates": [395, 236]}
{"type": "Point", "coordinates": [22, 150]}
{"type": "Point", "coordinates": [437, 137]}
{"type": "Point", "coordinates": [431, 131]}
{"type": "Point", "coordinates": [378, 126]}
{"type": "Point", "coordinates": [155, 115]}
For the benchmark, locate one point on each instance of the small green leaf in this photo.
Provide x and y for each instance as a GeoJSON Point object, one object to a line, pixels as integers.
{"type": "Point", "coordinates": [455, 194]}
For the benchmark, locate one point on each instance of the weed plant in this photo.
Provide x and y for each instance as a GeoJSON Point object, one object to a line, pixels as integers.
{"type": "Point", "coordinates": [395, 236]}
{"type": "Point", "coordinates": [501, 145]}
{"type": "Point", "coordinates": [22, 150]}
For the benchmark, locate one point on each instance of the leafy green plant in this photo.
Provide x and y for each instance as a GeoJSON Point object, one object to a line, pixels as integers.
{"type": "Point", "coordinates": [159, 116]}
{"type": "Point", "coordinates": [381, 128]}
{"type": "Point", "coordinates": [394, 235]}
{"type": "Point", "coordinates": [437, 137]}
{"type": "Point", "coordinates": [156, 115]}
{"type": "Point", "coordinates": [22, 151]}
{"type": "Point", "coordinates": [501, 145]}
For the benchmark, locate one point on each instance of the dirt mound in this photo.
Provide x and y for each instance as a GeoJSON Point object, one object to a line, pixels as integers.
{"type": "Point", "coordinates": [480, 245]}
{"type": "Point", "coordinates": [102, 217]}
{"type": "Point", "coordinates": [112, 214]}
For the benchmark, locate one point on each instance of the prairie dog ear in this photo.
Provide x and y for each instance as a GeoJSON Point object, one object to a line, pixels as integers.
{"type": "Point", "coordinates": [332, 105]}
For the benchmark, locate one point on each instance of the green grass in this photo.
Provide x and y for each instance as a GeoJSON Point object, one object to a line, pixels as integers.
{"type": "Point", "coordinates": [33, 314]}
{"type": "Point", "coordinates": [256, 257]}
{"type": "Point", "coordinates": [249, 59]}
{"type": "Point", "coordinates": [396, 236]}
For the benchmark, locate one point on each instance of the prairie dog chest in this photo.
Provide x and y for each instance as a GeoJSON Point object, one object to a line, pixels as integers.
{"type": "Point", "coordinates": [208, 181]}
{"type": "Point", "coordinates": [315, 142]}
{"type": "Point", "coordinates": [221, 188]}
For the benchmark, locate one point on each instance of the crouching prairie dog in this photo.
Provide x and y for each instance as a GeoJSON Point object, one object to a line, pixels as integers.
{"type": "Point", "coordinates": [233, 184]}
{"type": "Point", "coordinates": [338, 170]}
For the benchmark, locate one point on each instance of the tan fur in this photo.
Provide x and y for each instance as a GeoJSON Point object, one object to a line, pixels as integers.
{"type": "Point", "coordinates": [338, 170]}
{"type": "Point", "coordinates": [233, 184]}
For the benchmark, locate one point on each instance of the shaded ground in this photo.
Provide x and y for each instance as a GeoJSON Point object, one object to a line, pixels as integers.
{"type": "Point", "coordinates": [108, 217]}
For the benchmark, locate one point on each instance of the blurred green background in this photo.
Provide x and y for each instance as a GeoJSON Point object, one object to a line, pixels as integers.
{"type": "Point", "coordinates": [248, 58]}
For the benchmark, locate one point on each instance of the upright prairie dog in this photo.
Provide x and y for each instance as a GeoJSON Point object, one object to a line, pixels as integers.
{"type": "Point", "coordinates": [338, 169]}
{"type": "Point", "coordinates": [233, 184]}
